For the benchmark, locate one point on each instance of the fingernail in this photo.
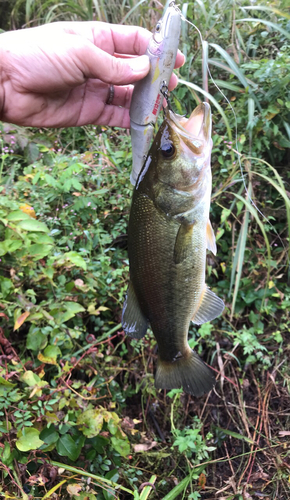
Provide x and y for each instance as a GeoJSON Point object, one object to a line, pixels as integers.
{"type": "Point", "coordinates": [139, 64]}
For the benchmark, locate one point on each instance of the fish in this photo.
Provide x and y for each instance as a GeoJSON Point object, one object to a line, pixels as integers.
{"type": "Point", "coordinates": [168, 234]}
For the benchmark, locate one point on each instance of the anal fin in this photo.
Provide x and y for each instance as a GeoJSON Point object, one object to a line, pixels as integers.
{"type": "Point", "coordinates": [210, 307]}
{"type": "Point", "coordinates": [133, 320]}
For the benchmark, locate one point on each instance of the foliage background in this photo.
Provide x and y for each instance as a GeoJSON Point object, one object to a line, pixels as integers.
{"type": "Point", "coordinates": [80, 415]}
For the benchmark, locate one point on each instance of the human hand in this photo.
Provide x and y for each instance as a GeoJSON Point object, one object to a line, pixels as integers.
{"type": "Point", "coordinates": [59, 74]}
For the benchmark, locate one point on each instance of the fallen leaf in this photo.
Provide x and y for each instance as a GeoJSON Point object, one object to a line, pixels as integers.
{"type": "Point", "coordinates": [74, 489]}
{"type": "Point", "coordinates": [138, 448]}
{"type": "Point", "coordinates": [284, 433]}
{"type": "Point", "coordinates": [202, 481]}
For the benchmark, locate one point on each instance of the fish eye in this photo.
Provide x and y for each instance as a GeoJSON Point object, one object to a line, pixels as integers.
{"type": "Point", "coordinates": [168, 150]}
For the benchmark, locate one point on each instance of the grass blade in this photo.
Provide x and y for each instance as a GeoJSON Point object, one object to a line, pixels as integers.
{"type": "Point", "coordinates": [236, 70]}
{"type": "Point", "coordinates": [229, 86]}
{"type": "Point", "coordinates": [267, 9]}
{"type": "Point", "coordinates": [211, 99]}
{"type": "Point", "coordinates": [183, 484]}
{"type": "Point", "coordinates": [235, 435]}
{"type": "Point", "coordinates": [131, 11]}
{"type": "Point", "coordinates": [202, 8]}
{"type": "Point", "coordinates": [275, 26]}
{"type": "Point", "coordinates": [255, 214]}
{"type": "Point", "coordinates": [146, 491]}
{"type": "Point", "coordinates": [239, 257]}
{"type": "Point", "coordinates": [219, 64]}
{"type": "Point", "coordinates": [205, 66]}
{"type": "Point", "coordinates": [84, 473]}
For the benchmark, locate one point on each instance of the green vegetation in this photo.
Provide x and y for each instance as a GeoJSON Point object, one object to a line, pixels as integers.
{"type": "Point", "coordinates": [80, 417]}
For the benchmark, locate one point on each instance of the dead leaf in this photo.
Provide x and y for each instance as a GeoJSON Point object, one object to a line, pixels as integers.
{"type": "Point", "coordinates": [27, 209]}
{"type": "Point", "coordinates": [2, 315]}
{"type": "Point", "coordinates": [202, 481]}
{"type": "Point", "coordinates": [139, 448]}
{"type": "Point", "coordinates": [74, 489]}
{"type": "Point", "coordinates": [21, 320]}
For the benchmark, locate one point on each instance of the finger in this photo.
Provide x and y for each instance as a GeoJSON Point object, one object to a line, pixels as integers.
{"type": "Point", "coordinates": [173, 82]}
{"type": "Point", "coordinates": [122, 96]}
{"type": "Point", "coordinates": [114, 116]}
{"type": "Point", "coordinates": [96, 63]}
{"type": "Point", "coordinates": [180, 59]}
{"type": "Point", "coordinates": [128, 39]}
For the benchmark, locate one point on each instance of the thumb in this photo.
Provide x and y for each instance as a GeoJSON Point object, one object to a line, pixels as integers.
{"type": "Point", "coordinates": [115, 70]}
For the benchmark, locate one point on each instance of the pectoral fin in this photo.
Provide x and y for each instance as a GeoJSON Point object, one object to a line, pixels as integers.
{"type": "Point", "coordinates": [210, 307]}
{"type": "Point", "coordinates": [133, 320]}
{"type": "Point", "coordinates": [210, 238]}
{"type": "Point", "coordinates": [183, 243]}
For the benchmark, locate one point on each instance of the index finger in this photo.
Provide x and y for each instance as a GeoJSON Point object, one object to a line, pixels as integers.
{"type": "Point", "coordinates": [133, 40]}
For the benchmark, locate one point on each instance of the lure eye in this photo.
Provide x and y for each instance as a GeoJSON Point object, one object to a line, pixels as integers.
{"type": "Point", "coordinates": [158, 28]}
{"type": "Point", "coordinates": [168, 150]}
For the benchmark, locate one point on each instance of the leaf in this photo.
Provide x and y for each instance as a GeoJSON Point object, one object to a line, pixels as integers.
{"type": "Point", "coordinates": [33, 225]}
{"type": "Point", "coordinates": [36, 339]}
{"type": "Point", "coordinates": [90, 422]}
{"type": "Point", "coordinates": [49, 435]}
{"type": "Point", "coordinates": [6, 383]}
{"type": "Point", "coordinates": [18, 215]}
{"type": "Point", "coordinates": [122, 446]}
{"type": "Point", "coordinates": [71, 309]}
{"type": "Point", "coordinates": [32, 379]}
{"type": "Point", "coordinates": [66, 447]}
{"type": "Point", "coordinates": [28, 440]}
{"type": "Point", "coordinates": [113, 476]}
{"type": "Point", "coordinates": [49, 355]}
{"type": "Point", "coordinates": [76, 259]}
{"type": "Point", "coordinates": [20, 320]}
{"type": "Point", "coordinates": [39, 251]}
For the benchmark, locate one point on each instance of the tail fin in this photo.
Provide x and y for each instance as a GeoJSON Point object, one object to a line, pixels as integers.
{"type": "Point", "coordinates": [188, 372]}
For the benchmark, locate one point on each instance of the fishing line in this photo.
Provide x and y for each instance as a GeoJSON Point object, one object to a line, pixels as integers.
{"type": "Point", "coordinates": [236, 135]}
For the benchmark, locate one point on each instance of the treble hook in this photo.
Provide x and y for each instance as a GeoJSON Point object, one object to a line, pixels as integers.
{"type": "Point", "coordinates": [165, 92]}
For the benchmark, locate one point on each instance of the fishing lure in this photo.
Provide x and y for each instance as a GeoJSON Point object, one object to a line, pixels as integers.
{"type": "Point", "coordinates": [147, 95]}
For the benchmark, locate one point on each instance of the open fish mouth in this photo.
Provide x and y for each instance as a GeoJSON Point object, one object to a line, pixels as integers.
{"type": "Point", "coordinates": [196, 129]}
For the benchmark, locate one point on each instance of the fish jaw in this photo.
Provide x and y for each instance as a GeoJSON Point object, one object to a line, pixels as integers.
{"type": "Point", "coordinates": [181, 151]}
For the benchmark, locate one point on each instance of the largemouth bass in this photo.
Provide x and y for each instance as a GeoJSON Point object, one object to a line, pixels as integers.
{"type": "Point", "coordinates": [169, 232]}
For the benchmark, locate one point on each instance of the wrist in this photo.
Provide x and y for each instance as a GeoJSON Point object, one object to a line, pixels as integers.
{"type": "Point", "coordinates": [2, 94]}
{"type": "Point", "coordinates": [3, 73]}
